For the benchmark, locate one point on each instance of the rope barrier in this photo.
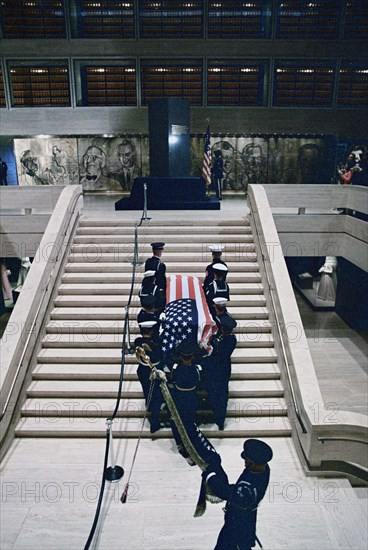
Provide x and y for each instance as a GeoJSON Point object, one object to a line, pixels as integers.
{"type": "Point", "coordinates": [115, 473]}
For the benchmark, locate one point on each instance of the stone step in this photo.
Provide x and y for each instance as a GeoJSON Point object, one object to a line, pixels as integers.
{"type": "Point", "coordinates": [117, 313]}
{"type": "Point", "coordinates": [97, 340]}
{"type": "Point", "coordinates": [75, 277]}
{"type": "Point", "coordinates": [150, 227]}
{"type": "Point", "coordinates": [247, 427]}
{"type": "Point", "coordinates": [135, 408]}
{"type": "Point", "coordinates": [106, 301]}
{"type": "Point", "coordinates": [196, 242]}
{"type": "Point", "coordinates": [124, 253]}
{"type": "Point", "coordinates": [100, 265]}
{"type": "Point", "coordinates": [105, 371]}
{"type": "Point", "coordinates": [85, 326]}
{"type": "Point", "coordinates": [113, 355]}
{"type": "Point", "coordinates": [131, 388]}
{"type": "Point", "coordinates": [124, 288]}
{"type": "Point", "coordinates": [97, 253]}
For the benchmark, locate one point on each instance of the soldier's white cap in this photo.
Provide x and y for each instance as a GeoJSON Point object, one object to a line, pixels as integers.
{"type": "Point", "coordinates": [219, 267]}
{"type": "Point", "coordinates": [147, 324]}
{"type": "Point", "coordinates": [149, 273]}
{"type": "Point", "coordinates": [220, 301]}
{"type": "Point", "coordinates": [215, 247]}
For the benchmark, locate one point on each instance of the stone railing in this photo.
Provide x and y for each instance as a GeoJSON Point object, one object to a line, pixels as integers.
{"type": "Point", "coordinates": [311, 220]}
{"type": "Point", "coordinates": [326, 440]}
{"type": "Point", "coordinates": [24, 329]}
{"type": "Point", "coordinates": [25, 213]}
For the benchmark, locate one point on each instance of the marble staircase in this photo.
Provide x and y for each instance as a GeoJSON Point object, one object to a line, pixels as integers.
{"type": "Point", "coordinates": [75, 379]}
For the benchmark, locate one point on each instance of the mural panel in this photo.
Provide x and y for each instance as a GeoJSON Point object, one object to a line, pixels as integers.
{"type": "Point", "coordinates": [46, 161]}
{"type": "Point", "coordinates": [111, 164]}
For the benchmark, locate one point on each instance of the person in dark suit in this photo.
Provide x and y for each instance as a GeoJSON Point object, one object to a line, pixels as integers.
{"type": "Point", "coordinates": [151, 388]}
{"type": "Point", "coordinates": [243, 497]}
{"type": "Point", "coordinates": [216, 250]}
{"type": "Point", "coordinates": [217, 369]}
{"type": "Point", "coordinates": [157, 265]}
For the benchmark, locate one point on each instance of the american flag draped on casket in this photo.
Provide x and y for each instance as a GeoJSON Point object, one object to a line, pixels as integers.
{"type": "Point", "coordinates": [187, 314]}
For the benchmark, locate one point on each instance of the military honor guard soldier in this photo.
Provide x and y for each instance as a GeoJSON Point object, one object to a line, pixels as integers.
{"type": "Point", "coordinates": [243, 497]}
{"type": "Point", "coordinates": [149, 313]}
{"type": "Point", "coordinates": [217, 369]}
{"type": "Point", "coordinates": [157, 265]}
{"type": "Point", "coordinates": [186, 380]}
{"type": "Point", "coordinates": [216, 250]}
{"type": "Point", "coordinates": [151, 388]}
{"type": "Point", "coordinates": [218, 288]}
{"type": "Point", "coordinates": [149, 287]}
{"type": "Point", "coordinates": [220, 310]}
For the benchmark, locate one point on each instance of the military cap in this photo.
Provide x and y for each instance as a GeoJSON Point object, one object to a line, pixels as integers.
{"type": "Point", "coordinates": [220, 301]}
{"type": "Point", "coordinates": [215, 247]}
{"type": "Point", "coordinates": [256, 451]}
{"type": "Point", "coordinates": [228, 323]}
{"type": "Point", "coordinates": [157, 246]}
{"type": "Point", "coordinates": [148, 300]}
{"type": "Point", "coordinates": [147, 324]}
{"type": "Point", "coordinates": [219, 267]}
{"type": "Point", "coordinates": [186, 348]}
{"type": "Point", "coordinates": [149, 273]}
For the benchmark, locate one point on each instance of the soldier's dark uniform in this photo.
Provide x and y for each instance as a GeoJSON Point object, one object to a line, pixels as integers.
{"type": "Point", "coordinates": [147, 313]}
{"type": "Point", "coordinates": [154, 352]}
{"type": "Point", "coordinates": [218, 288]}
{"type": "Point", "coordinates": [217, 369]}
{"type": "Point", "coordinates": [155, 264]}
{"type": "Point", "coordinates": [243, 497]}
{"type": "Point", "coordinates": [185, 380]}
{"type": "Point", "coordinates": [216, 250]}
{"type": "Point", "coordinates": [150, 288]}
{"type": "Point", "coordinates": [222, 318]}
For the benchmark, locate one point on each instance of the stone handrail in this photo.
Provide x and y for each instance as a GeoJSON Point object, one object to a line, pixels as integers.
{"type": "Point", "coordinates": [321, 435]}
{"type": "Point", "coordinates": [25, 213]}
{"type": "Point", "coordinates": [318, 196]}
{"type": "Point", "coordinates": [24, 329]}
{"type": "Point", "coordinates": [307, 224]}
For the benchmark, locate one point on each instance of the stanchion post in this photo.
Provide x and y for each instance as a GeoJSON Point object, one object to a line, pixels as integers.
{"type": "Point", "coordinates": [145, 217]}
{"type": "Point", "coordinates": [113, 473]}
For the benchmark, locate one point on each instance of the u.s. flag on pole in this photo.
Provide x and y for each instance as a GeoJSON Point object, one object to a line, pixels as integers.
{"type": "Point", "coordinates": [207, 159]}
{"type": "Point", "coordinates": [187, 314]}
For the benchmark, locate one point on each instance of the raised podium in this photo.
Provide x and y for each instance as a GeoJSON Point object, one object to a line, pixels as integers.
{"type": "Point", "coordinates": [168, 194]}
{"type": "Point", "coordinates": [169, 185]}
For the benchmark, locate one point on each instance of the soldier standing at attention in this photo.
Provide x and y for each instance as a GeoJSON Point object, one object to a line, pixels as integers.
{"type": "Point", "coordinates": [155, 264]}
{"type": "Point", "coordinates": [216, 250]}
{"type": "Point", "coordinates": [243, 497]}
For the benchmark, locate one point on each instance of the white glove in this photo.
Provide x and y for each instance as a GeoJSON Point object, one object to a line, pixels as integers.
{"type": "Point", "coordinates": [162, 317]}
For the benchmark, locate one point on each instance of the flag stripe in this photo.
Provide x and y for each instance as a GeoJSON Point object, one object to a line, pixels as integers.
{"type": "Point", "coordinates": [181, 288]}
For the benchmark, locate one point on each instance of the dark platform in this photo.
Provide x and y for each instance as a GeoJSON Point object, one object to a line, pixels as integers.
{"type": "Point", "coordinates": [168, 194]}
